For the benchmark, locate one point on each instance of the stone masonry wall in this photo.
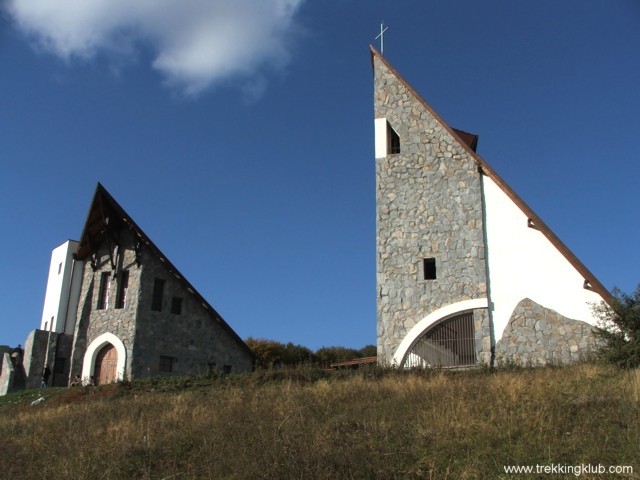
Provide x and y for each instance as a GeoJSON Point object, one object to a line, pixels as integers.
{"type": "Point", "coordinates": [39, 349]}
{"type": "Point", "coordinates": [429, 205]}
{"type": "Point", "coordinates": [482, 330]}
{"type": "Point", "coordinates": [7, 373]}
{"type": "Point", "coordinates": [61, 360]}
{"type": "Point", "coordinates": [194, 338]}
{"type": "Point", "coordinates": [4, 349]}
{"type": "Point", "coordinates": [93, 322]}
{"type": "Point", "coordinates": [536, 335]}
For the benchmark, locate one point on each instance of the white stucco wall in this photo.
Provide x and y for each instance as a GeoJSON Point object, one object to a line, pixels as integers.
{"type": "Point", "coordinates": [380, 128]}
{"type": "Point", "coordinates": [524, 263]}
{"type": "Point", "coordinates": [63, 290]}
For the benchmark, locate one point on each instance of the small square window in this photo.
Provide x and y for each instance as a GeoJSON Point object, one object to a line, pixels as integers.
{"type": "Point", "coordinates": [176, 305]}
{"type": "Point", "coordinates": [429, 268]}
{"type": "Point", "coordinates": [166, 363]}
{"type": "Point", "coordinates": [226, 369]}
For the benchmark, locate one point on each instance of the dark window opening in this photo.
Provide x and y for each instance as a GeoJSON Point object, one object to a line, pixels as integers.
{"type": "Point", "coordinates": [123, 286]}
{"type": "Point", "coordinates": [211, 367]}
{"type": "Point", "coordinates": [103, 292]}
{"type": "Point", "coordinates": [60, 269]}
{"type": "Point", "coordinates": [166, 364]}
{"type": "Point", "coordinates": [158, 292]}
{"type": "Point", "coordinates": [226, 369]}
{"type": "Point", "coordinates": [393, 140]}
{"type": "Point", "coordinates": [429, 268]}
{"type": "Point", "coordinates": [58, 365]}
{"type": "Point", "coordinates": [176, 305]}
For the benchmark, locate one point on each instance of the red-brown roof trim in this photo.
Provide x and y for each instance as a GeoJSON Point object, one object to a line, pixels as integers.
{"type": "Point", "coordinates": [488, 171]}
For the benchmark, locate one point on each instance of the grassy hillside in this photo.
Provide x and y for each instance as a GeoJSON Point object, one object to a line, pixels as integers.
{"type": "Point", "coordinates": [307, 424]}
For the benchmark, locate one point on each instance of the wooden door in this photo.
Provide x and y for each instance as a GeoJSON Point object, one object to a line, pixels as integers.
{"type": "Point", "coordinates": [106, 363]}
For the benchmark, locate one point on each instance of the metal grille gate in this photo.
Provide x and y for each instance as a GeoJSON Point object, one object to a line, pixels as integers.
{"type": "Point", "coordinates": [450, 343]}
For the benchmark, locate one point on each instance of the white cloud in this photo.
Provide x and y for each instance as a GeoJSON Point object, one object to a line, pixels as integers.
{"type": "Point", "coordinates": [196, 43]}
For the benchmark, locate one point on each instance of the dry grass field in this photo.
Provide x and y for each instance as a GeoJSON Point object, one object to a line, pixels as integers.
{"type": "Point", "coordinates": [308, 424]}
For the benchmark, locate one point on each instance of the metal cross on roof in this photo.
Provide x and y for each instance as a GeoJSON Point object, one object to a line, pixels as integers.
{"type": "Point", "coordinates": [381, 37]}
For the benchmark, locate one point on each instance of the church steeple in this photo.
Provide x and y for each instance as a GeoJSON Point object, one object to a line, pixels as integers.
{"type": "Point", "coordinates": [456, 246]}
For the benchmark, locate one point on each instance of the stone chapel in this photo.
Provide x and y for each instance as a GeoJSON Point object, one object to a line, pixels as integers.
{"type": "Point", "coordinates": [467, 273]}
{"type": "Point", "coordinates": [116, 308]}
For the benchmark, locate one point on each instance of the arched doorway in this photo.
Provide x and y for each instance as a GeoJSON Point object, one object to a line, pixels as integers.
{"type": "Point", "coordinates": [106, 365]}
{"type": "Point", "coordinates": [405, 357]}
{"type": "Point", "coordinates": [450, 343]}
{"type": "Point", "coordinates": [96, 347]}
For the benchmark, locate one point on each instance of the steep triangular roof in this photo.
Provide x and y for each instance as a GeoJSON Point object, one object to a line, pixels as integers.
{"type": "Point", "coordinates": [106, 215]}
{"type": "Point", "coordinates": [469, 144]}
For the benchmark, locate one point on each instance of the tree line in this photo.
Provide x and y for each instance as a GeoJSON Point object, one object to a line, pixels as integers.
{"type": "Point", "coordinates": [271, 353]}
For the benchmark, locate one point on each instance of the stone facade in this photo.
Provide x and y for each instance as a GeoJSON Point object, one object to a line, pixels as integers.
{"type": "Point", "coordinates": [183, 330]}
{"type": "Point", "coordinates": [195, 337]}
{"type": "Point", "coordinates": [124, 324]}
{"type": "Point", "coordinates": [92, 321]}
{"type": "Point", "coordinates": [7, 373]}
{"type": "Point", "coordinates": [40, 349]}
{"type": "Point", "coordinates": [429, 205]}
{"type": "Point", "coordinates": [37, 349]}
{"type": "Point", "coordinates": [438, 203]}
{"type": "Point", "coordinates": [484, 336]}
{"type": "Point", "coordinates": [537, 335]}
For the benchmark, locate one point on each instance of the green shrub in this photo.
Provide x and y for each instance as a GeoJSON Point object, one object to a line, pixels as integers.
{"type": "Point", "coordinates": [619, 329]}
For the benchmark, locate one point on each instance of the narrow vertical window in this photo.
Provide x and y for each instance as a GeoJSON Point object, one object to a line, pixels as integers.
{"type": "Point", "coordinates": [429, 268]}
{"type": "Point", "coordinates": [123, 286]}
{"type": "Point", "coordinates": [158, 292]}
{"type": "Point", "coordinates": [176, 305]}
{"type": "Point", "coordinates": [393, 140]}
{"type": "Point", "coordinates": [60, 268]}
{"type": "Point", "coordinates": [103, 292]}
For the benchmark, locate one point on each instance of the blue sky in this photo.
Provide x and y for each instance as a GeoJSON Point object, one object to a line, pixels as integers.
{"type": "Point", "coordinates": [241, 139]}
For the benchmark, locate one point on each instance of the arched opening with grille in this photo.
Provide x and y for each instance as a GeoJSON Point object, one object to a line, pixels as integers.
{"type": "Point", "coordinates": [450, 343]}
